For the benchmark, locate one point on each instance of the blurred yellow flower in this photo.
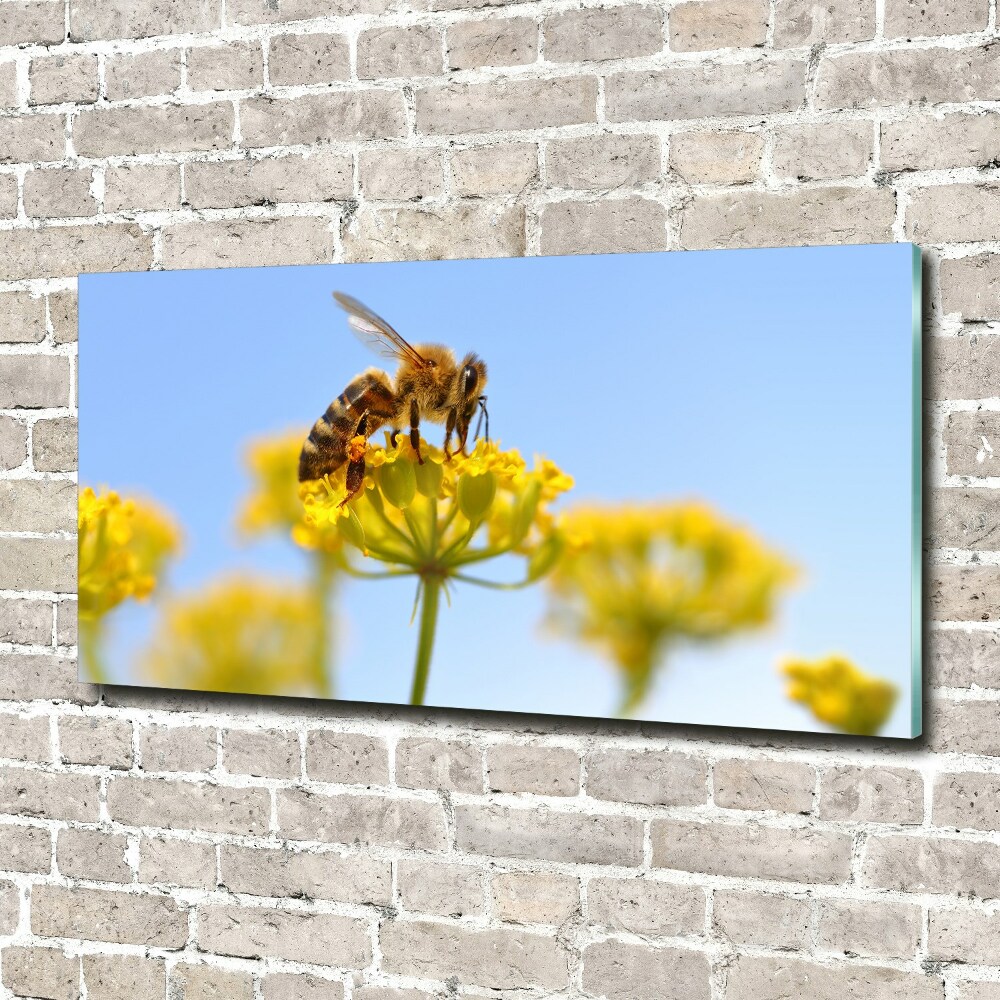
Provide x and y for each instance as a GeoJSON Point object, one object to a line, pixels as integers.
{"type": "Point", "coordinates": [123, 545]}
{"type": "Point", "coordinates": [636, 578]}
{"type": "Point", "coordinates": [435, 519]}
{"type": "Point", "coordinates": [257, 637]}
{"type": "Point", "coordinates": [840, 694]}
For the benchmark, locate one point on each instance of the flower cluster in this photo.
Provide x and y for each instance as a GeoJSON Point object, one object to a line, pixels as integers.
{"type": "Point", "coordinates": [840, 694]}
{"type": "Point", "coordinates": [635, 579]}
{"type": "Point", "coordinates": [257, 637]}
{"type": "Point", "coordinates": [123, 545]}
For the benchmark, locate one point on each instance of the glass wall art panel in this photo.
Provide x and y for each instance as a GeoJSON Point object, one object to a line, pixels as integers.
{"type": "Point", "coordinates": [678, 487]}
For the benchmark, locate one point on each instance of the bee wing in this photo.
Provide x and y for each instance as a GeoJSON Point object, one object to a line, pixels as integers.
{"type": "Point", "coordinates": [376, 333]}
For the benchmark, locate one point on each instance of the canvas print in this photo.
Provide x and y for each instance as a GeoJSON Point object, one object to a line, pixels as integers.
{"type": "Point", "coordinates": [680, 487]}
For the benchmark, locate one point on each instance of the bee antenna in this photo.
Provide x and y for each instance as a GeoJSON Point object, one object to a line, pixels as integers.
{"type": "Point", "coordinates": [483, 413]}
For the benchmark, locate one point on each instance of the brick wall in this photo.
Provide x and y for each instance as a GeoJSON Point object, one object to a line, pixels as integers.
{"type": "Point", "coordinates": [169, 845]}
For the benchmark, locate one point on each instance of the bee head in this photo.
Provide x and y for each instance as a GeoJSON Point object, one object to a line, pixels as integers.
{"type": "Point", "coordinates": [472, 377]}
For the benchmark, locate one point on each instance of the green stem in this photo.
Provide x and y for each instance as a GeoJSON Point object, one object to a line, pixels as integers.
{"type": "Point", "coordinates": [90, 651]}
{"type": "Point", "coordinates": [430, 598]}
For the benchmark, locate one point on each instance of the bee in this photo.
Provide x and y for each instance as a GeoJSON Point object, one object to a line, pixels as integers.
{"type": "Point", "coordinates": [429, 384]}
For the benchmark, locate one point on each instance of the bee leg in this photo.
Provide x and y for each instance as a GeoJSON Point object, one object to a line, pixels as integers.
{"type": "Point", "coordinates": [394, 436]}
{"type": "Point", "coordinates": [415, 429]}
{"type": "Point", "coordinates": [356, 460]}
{"type": "Point", "coordinates": [449, 428]}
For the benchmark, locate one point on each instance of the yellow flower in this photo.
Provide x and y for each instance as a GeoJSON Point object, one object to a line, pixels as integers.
{"type": "Point", "coordinates": [274, 504]}
{"type": "Point", "coordinates": [636, 578]}
{"type": "Point", "coordinates": [840, 694]}
{"type": "Point", "coordinates": [123, 545]}
{"type": "Point", "coordinates": [241, 635]}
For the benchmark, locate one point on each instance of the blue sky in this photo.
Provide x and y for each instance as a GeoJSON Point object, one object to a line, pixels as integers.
{"type": "Point", "coordinates": [776, 384]}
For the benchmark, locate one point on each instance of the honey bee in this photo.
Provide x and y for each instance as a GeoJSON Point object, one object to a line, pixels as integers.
{"type": "Point", "coordinates": [429, 384]}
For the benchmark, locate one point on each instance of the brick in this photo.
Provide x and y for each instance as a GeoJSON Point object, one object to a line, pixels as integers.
{"type": "Point", "coordinates": [25, 849]}
{"type": "Point", "coordinates": [960, 658]}
{"type": "Point", "coordinates": [621, 970]}
{"type": "Point", "coordinates": [63, 79]}
{"type": "Point", "coordinates": [182, 805]}
{"type": "Point", "coordinates": [206, 982]}
{"type": "Point", "coordinates": [869, 928]}
{"type": "Point", "coordinates": [318, 177]}
{"type": "Point", "coordinates": [8, 85]}
{"type": "Point", "coordinates": [262, 753]}
{"type": "Point", "coordinates": [342, 877]}
{"type": "Point", "coordinates": [964, 518]}
{"type": "Point", "coordinates": [41, 505]}
{"type": "Point", "coordinates": [751, 850]}
{"type": "Point", "coordinates": [717, 24]}
{"type": "Point", "coordinates": [967, 801]}
{"type": "Point", "coordinates": [13, 443]}
{"type": "Point", "coordinates": [365, 819]}
{"type": "Point", "coordinates": [823, 152]}
{"type": "Point", "coordinates": [178, 748]}
{"type": "Point", "coordinates": [401, 174]}
{"type": "Point", "coordinates": [233, 66]}
{"type": "Point", "coordinates": [972, 443]}
{"type": "Point", "coordinates": [506, 104]}
{"type": "Point", "coordinates": [965, 727]}
{"type": "Point", "coordinates": [535, 897]}
{"type": "Point", "coordinates": [8, 196]}
{"type": "Point", "coordinates": [142, 187]}
{"type": "Point", "coordinates": [390, 993]}
{"type": "Point", "coordinates": [594, 34]}
{"type": "Point", "coordinates": [123, 977]}
{"type": "Point", "coordinates": [932, 864]}
{"type": "Point", "coordinates": [954, 213]}
{"type": "Point", "coordinates": [59, 193]}
{"type": "Point", "coordinates": [764, 218]}
{"type": "Point", "coordinates": [63, 317]}
{"type": "Point", "coordinates": [963, 934]}
{"type": "Point", "coordinates": [871, 795]}
{"type": "Point", "coordinates": [486, 170]}
{"type": "Point", "coordinates": [538, 770]}
{"type": "Point", "coordinates": [356, 114]}
{"type": "Point", "coordinates": [808, 22]}
{"type": "Point", "coordinates": [91, 19]}
{"type": "Point", "coordinates": [27, 676]}
{"type": "Point", "coordinates": [142, 74]}
{"type": "Point", "coordinates": [309, 59]}
{"type": "Point", "coordinates": [22, 318]}
{"type": "Point", "coordinates": [625, 225]}
{"type": "Point", "coordinates": [10, 907]}
{"type": "Point", "coordinates": [921, 18]}
{"type": "Point", "coordinates": [441, 764]}
{"type": "Point", "coordinates": [255, 932]}
{"type": "Point", "coordinates": [32, 138]}
{"type": "Point", "coordinates": [766, 978]}
{"type": "Point", "coordinates": [603, 161]}
{"type": "Point", "coordinates": [935, 142]}
{"type": "Point", "coordinates": [255, 12]}
{"type": "Point", "coordinates": [166, 861]}
{"type": "Point", "coordinates": [298, 986]}
{"type": "Point", "coordinates": [162, 129]}
{"type": "Point", "coordinates": [96, 740]}
{"type": "Point", "coordinates": [448, 890]}
{"type": "Point", "coordinates": [40, 22]}
{"type": "Point", "coordinates": [784, 786]}
{"type": "Point", "coordinates": [499, 959]}
{"type": "Point", "coordinates": [410, 50]}
{"type": "Point", "coordinates": [660, 778]}
{"type": "Point", "coordinates": [548, 836]}
{"type": "Point", "coordinates": [43, 973]}
{"type": "Point", "coordinates": [976, 991]}
{"type": "Point", "coordinates": [681, 92]}
{"type": "Point", "coordinates": [49, 795]}
{"type": "Point", "coordinates": [508, 41]}
{"type": "Point", "coordinates": [762, 919]}
{"type": "Point", "coordinates": [100, 915]}
{"type": "Point", "coordinates": [907, 76]}
{"type": "Point", "coordinates": [93, 854]}
{"type": "Point", "coordinates": [962, 367]}
{"type": "Point", "coordinates": [347, 758]}
{"type": "Point", "coordinates": [25, 738]}
{"type": "Point", "coordinates": [66, 623]}
{"type": "Point", "coordinates": [38, 564]}
{"type": "Point", "coordinates": [963, 593]}
{"type": "Point", "coordinates": [462, 231]}
{"type": "Point", "coordinates": [25, 621]}
{"type": "Point", "coordinates": [247, 242]}
{"type": "Point", "coordinates": [67, 250]}
{"type": "Point", "coordinates": [645, 906]}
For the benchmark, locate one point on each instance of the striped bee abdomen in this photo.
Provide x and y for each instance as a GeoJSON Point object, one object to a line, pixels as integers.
{"type": "Point", "coordinates": [325, 450]}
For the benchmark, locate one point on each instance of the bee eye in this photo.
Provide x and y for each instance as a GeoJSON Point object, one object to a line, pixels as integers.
{"type": "Point", "coordinates": [470, 378]}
